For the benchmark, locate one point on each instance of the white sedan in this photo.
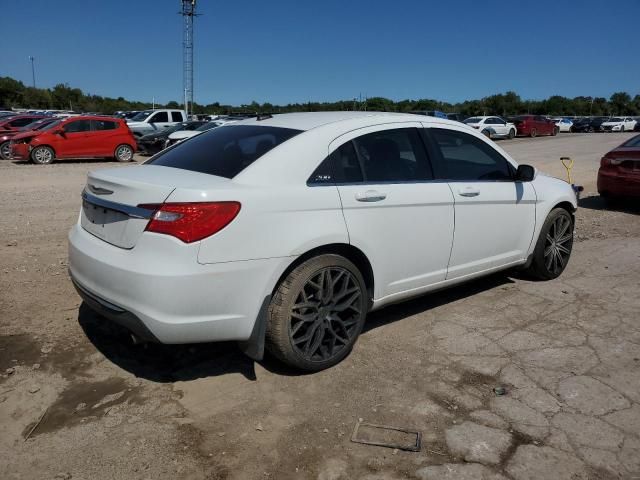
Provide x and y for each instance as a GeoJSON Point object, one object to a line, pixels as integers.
{"type": "Point", "coordinates": [493, 127]}
{"type": "Point", "coordinates": [564, 124]}
{"type": "Point", "coordinates": [285, 231]}
{"type": "Point", "coordinates": [618, 124]}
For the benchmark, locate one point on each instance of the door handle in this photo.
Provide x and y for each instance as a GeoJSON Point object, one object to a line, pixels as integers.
{"type": "Point", "coordinates": [370, 196]}
{"type": "Point", "coordinates": [469, 192]}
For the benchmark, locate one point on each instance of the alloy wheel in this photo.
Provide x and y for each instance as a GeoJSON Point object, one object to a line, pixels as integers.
{"type": "Point", "coordinates": [557, 248]}
{"type": "Point", "coordinates": [43, 155]}
{"type": "Point", "coordinates": [5, 150]}
{"type": "Point", "coordinates": [326, 315]}
{"type": "Point", "coordinates": [124, 153]}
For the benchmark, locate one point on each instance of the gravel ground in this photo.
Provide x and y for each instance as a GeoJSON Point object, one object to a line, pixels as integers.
{"type": "Point", "coordinates": [78, 400]}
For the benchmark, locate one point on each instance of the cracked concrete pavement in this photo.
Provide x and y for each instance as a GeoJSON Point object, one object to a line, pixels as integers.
{"type": "Point", "coordinates": [566, 351]}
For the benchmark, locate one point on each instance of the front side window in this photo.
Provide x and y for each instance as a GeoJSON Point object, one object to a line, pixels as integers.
{"type": "Point", "coordinates": [159, 117]}
{"type": "Point", "coordinates": [78, 126]}
{"type": "Point", "coordinates": [466, 157]}
{"type": "Point", "coordinates": [224, 151]}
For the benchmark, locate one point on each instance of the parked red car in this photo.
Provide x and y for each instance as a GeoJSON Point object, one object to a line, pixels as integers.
{"type": "Point", "coordinates": [18, 121]}
{"type": "Point", "coordinates": [619, 173]}
{"type": "Point", "coordinates": [76, 137]}
{"type": "Point", "coordinates": [534, 125]}
{"type": "Point", "coordinates": [6, 136]}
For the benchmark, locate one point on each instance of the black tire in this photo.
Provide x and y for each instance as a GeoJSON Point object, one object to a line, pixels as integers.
{"type": "Point", "coordinates": [555, 132]}
{"type": "Point", "coordinates": [42, 155]}
{"type": "Point", "coordinates": [123, 153]}
{"type": "Point", "coordinates": [309, 315]}
{"type": "Point", "coordinates": [512, 134]}
{"type": "Point", "coordinates": [5, 150]}
{"type": "Point", "coordinates": [591, 129]}
{"type": "Point", "coordinates": [487, 133]}
{"type": "Point", "coordinates": [533, 133]}
{"type": "Point", "coordinates": [622, 129]}
{"type": "Point", "coordinates": [557, 231]}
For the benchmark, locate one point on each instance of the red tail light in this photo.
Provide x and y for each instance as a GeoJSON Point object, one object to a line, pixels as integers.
{"type": "Point", "coordinates": [191, 222]}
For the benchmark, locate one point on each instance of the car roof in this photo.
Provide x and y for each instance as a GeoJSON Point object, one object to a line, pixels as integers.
{"type": "Point", "coordinates": [92, 117]}
{"type": "Point", "coordinates": [309, 120]}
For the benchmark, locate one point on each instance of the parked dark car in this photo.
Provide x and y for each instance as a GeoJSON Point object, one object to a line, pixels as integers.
{"type": "Point", "coordinates": [152, 143]}
{"type": "Point", "coordinates": [5, 137]}
{"type": "Point", "coordinates": [619, 173]}
{"type": "Point", "coordinates": [581, 125]}
{"type": "Point", "coordinates": [596, 123]}
{"type": "Point", "coordinates": [534, 125]}
{"type": "Point", "coordinates": [637, 127]}
{"type": "Point", "coordinates": [458, 117]}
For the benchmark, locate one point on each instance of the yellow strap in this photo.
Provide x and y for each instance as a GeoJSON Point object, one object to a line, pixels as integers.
{"type": "Point", "coordinates": [567, 162]}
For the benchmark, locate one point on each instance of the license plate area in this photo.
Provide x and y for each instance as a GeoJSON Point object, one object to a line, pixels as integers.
{"type": "Point", "coordinates": [105, 223]}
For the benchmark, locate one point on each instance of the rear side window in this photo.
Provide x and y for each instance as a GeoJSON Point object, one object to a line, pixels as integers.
{"type": "Point", "coordinates": [466, 157]}
{"type": "Point", "coordinates": [104, 125]}
{"type": "Point", "coordinates": [224, 151]}
{"type": "Point", "coordinates": [396, 155]}
{"type": "Point", "coordinates": [176, 116]}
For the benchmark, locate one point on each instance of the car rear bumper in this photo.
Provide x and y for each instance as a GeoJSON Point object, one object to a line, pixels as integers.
{"type": "Point", "coordinates": [168, 297]}
{"type": "Point", "coordinates": [619, 185]}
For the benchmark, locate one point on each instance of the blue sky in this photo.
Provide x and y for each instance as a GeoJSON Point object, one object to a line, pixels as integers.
{"type": "Point", "coordinates": [299, 50]}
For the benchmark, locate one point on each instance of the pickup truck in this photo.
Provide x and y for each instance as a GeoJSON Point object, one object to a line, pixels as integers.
{"type": "Point", "coordinates": [150, 121]}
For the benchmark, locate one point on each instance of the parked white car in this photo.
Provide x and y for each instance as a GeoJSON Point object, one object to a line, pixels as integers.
{"type": "Point", "coordinates": [288, 230]}
{"type": "Point", "coordinates": [563, 124]}
{"type": "Point", "coordinates": [149, 121]}
{"type": "Point", "coordinates": [178, 136]}
{"type": "Point", "coordinates": [493, 127]}
{"type": "Point", "coordinates": [618, 124]}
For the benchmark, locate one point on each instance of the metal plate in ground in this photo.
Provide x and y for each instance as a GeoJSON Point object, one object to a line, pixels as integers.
{"type": "Point", "coordinates": [387, 436]}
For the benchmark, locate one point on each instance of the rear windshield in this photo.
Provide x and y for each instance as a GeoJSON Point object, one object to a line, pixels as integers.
{"type": "Point", "coordinates": [634, 142]}
{"type": "Point", "coordinates": [224, 151]}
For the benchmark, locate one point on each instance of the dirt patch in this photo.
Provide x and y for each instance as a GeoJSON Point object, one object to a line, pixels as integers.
{"type": "Point", "coordinates": [18, 349]}
{"type": "Point", "coordinates": [81, 402]}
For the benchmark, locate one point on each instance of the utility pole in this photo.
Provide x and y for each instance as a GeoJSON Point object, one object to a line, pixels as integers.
{"type": "Point", "coordinates": [188, 13]}
{"type": "Point", "coordinates": [33, 70]}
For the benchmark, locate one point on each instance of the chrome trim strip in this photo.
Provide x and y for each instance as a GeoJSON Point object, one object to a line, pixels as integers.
{"type": "Point", "coordinates": [133, 212]}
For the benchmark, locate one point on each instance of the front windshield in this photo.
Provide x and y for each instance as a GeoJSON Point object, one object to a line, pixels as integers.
{"type": "Point", "coordinates": [141, 116]}
{"type": "Point", "coordinates": [473, 120]}
{"type": "Point", "coordinates": [207, 126]}
{"type": "Point", "coordinates": [615, 119]}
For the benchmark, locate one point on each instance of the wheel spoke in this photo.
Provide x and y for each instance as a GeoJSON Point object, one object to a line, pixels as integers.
{"type": "Point", "coordinates": [564, 239]}
{"type": "Point", "coordinates": [562, 249]}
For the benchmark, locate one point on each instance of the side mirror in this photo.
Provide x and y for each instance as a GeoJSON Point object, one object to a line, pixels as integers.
{"type": "Point", "coordinates": [525, 173]}
{"type": "Point", "coordinates": [59, 131]}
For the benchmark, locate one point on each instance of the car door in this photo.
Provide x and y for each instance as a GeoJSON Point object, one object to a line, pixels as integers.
{"type": "Point", "coordinates": [395, 213]}
{"type": "Point", "coordinates": [104, 138]}
{"type": "Point", "coordinates": [500, 126]}
{"type": "Point", "coordinates": [494, 215]}
{"type": "Point", "coordinates": [160, 120]}
{"type": "Point", "coordinates": [76, 140]}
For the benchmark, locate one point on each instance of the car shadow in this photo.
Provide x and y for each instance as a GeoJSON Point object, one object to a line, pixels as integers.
{"type": "Point", "coordinates": [624, 205]}
{"type": "Point", "coordinates": [172, 363]}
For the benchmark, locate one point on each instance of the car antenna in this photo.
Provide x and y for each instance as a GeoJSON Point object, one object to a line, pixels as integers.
{"type": "Point", "coordinates": [263, 116]}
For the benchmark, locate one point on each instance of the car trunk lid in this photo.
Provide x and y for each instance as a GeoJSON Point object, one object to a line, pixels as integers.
{"type": "Point", "coordinates": [111, 197]}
